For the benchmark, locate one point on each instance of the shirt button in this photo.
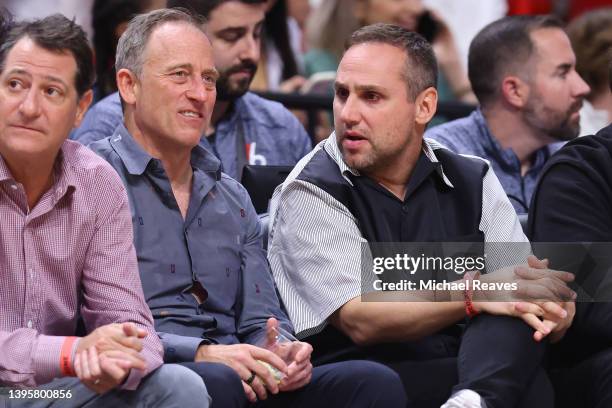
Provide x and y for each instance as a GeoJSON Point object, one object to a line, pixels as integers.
{"type": "Point", "coordinates": [405, 208]}
{"type": "Point", "coordinates": [29, 324]}
{"type": "Point", "coordinates": [14, 186]}
{"type": "Point", "coordinates": [32, 273]}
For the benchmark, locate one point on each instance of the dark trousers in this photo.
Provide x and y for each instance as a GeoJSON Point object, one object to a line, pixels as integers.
{"type": "Point", "coordinates": [494, 356]}
{"type": "Point", "coordinates": [581, 364]}
{"type": "Point", "coordinates": [350, 384]}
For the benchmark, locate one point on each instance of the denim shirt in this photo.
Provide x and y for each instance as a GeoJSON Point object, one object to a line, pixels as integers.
{"type": "Point", "coordinates": [218, 244]}
{"type": "Point", "coordinates": [471, 135]}
{"type": "Point", "coordinates": [272, 134]}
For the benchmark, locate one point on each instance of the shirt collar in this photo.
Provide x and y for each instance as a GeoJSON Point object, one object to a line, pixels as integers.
{"type": "Point", "coordinates": [506, 157]}
{"type": "Point", "coordinates": [136, 159]}
{"type": "Point", "coordinates": [429, 146]}
{"type": "Point", "coordinates": [64, 179]}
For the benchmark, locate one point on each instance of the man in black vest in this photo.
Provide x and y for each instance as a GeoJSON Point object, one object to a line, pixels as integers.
{"type": "Point", "coordinates": [376, 180]}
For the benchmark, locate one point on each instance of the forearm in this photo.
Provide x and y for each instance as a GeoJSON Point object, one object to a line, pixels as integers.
{"type": "Point", "coordinates": [28, 358]}
{"type": "Point", "coordinates": [377, 321]}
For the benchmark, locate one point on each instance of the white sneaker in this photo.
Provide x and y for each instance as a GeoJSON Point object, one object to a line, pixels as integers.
{"type": "Point", "coordinates": [464, 399]}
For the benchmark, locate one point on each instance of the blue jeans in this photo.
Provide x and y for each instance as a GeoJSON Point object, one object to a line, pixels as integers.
{"type": "Point", "coordinates": [170, 386]}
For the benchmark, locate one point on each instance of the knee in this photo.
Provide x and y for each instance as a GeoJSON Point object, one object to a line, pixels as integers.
{"type": "Point", "coordinates": [181, 386]}
{"type": "Point", "coordinates": [374, 382]}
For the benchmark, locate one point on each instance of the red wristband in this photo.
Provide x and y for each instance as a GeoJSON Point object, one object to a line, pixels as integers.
{"type": "Point", "coordinates": [66, 357]}
{"type": "Point", "coordinates": [470, 310]}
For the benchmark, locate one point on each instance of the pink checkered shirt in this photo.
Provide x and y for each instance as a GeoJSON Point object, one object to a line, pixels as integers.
{"type": "Point", "coordinates": [71, 254]}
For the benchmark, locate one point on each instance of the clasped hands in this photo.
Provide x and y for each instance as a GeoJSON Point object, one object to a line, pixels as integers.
{"type": "Point", "coordinates": [248, 361]}
{"type": "Point", "coordinates": [104, 358]}
{"type": "Point", "coordinates": [543, 299]}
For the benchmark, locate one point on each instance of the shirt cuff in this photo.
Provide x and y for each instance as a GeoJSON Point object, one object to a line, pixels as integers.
{"type": "Point", "coordinates": [178, 349]}
{"type": "Point", "coordinates": [46, 358]}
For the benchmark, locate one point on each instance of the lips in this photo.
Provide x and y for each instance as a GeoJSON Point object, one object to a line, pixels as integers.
{"type": "Point", "coordinates": [353, 140]}
{"type": "Point", "coordinates": [191, 114]}
{"type": "Point", "coordinates": [28, 128]}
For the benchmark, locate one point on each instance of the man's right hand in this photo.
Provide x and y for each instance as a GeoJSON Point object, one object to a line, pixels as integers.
{"type": "Point", "coordinates": [122, 337]}
{"type": "Point", "coordinates": [243, 358]}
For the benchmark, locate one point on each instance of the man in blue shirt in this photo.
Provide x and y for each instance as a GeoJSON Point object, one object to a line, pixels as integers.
{"type": "Point", "coordinates": [198, 239]}
{"type": "Point", "coordinates": [245, 129]}
{"type": "Point", "coordinates": [522, 70]}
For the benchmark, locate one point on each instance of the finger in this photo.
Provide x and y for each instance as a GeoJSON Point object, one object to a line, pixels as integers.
{"type": "Point", "coordinates": [137, 363]}
{"type": "Point", "coordinates": [555, 309]}
{"type": "Point", "coordinates": [531, 308]}
{"type": "Point", "coordinates": [133, 343]}
{"type": "Point", "coordinates": [260, 388]}
{"type": "Point", "coordinates": [303, 353]}
{"type": "Point", "coordinates": [251, 396]}
{"type": "Point", "coordinates": [77, 366]}
{"type": "Point", "coordinates": [534, 262]}
{"type": "Point", "coordinates": [271, 330]}
{"type": "Point", "coordinates": [264, 376]}
{"type": "Point", "coordinates": [85, 366]}
{"type": "Point", "coordinates": [259, 353]}
{"type": "Point", "coordinates": [112, 370]}
{"type": "Point", "coordinates": [94, 363]}
{"type": "Point", "coordinates": [130, 329]}
{"type": "Point", "coordinates": [535, 323]}
{"type": "Point", "coordinates": [526, 272]}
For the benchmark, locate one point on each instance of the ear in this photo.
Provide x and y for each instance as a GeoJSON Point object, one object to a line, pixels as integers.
{"type": "Point", "coordinates": [515, 91]}
{"type": "Point", "coordinates": [426, 104]}
{"type": "Point", "coordinates": [82, 106]}
{"type": "Point", "coordinates": [127, 84]}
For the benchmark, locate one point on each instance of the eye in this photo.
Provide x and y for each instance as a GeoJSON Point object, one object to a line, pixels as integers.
{"type": "Point", "coordinates": [14, 84]}
{"type": "Point", "coordinates": [372, 96]}
{"type": "Point", "coordinates": [209, 81]}
{"type": "Point", "coordinates": [53, 91]}
{"type": "Point", "coordinates": [180, 74]}
{"type": "Point", "coordinates": [342, 93]}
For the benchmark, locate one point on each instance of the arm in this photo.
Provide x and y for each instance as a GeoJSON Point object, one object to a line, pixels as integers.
{"type": "Point", "coordinates": [258, 298]}
{"type": "Point", "coordinates": [301, 143]}
{"type": "Point", "coordinates": [572, 206]}
{"type": "Point", "coordinates": [312, 233]}
{"type": "Point", "coordinates": [110, 272]}
{"type": "Point", "coordinates": [28, 358]}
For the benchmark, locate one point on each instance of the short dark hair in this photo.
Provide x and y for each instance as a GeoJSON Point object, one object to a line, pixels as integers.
{"type": "Point", "coordinates": [421, 70]}
{"type": "Point", "coordinates": [204, 7]}
{"type": "Point", "coordinates": [6, 21]}
{"type": "Point", "coordinates": [56, 33]}
{"type": "Point", "coordinates": [502, 47]}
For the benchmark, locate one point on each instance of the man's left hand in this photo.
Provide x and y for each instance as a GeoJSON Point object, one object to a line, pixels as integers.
{"type": "Point", "coordinates": [300, 370]}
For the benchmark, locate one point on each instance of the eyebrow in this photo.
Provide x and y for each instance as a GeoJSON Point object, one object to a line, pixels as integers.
{"type": "Point", "coordinates": [49, 78]}
{"type": "Point", "coordinates": [359, 88]}
{"type": "Point", "coordinates": [564, 67]}
{"type": "Point", "coordinates": [209, 71]}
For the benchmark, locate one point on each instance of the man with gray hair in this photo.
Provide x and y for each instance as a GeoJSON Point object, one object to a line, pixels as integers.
{"type": "Point", "coordinates": [66, 251]}
{"type": "Point", "coordinates": [244, 128]}
{"type": "Point", "coordinates": [198, 238]}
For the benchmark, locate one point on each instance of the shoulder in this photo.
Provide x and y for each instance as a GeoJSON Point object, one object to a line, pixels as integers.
{"type": "Point", "coordinates": [90, 169]}
{"type": "Point", "coordinates": [588, 152]}
{"type": "Point", "coordinates": [457, 132]}
{"type": "Point", "coordinates": [266, 113]}
{"type": "Point", "coordinates": [100, 121]}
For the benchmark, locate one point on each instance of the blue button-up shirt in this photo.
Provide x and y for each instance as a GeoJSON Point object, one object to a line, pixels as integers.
{"type": "Point", "coordinates": [218, 244]}
{"type": "Point", "coordinates": [471, 135]}
{"type": "Point", "coordinates": [272, 134]}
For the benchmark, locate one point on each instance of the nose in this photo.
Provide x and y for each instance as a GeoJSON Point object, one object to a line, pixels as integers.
{"type": "Point", "coordinates": [197, 91]}
{"type": "Point", "coordinates": [251, 48]}
{"type": "Point", "coordinates": [349, 111]}
{"type": "Point", "coordinates": [30, 105]}
{"type": "Point", "coordinates": [581, 88]}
